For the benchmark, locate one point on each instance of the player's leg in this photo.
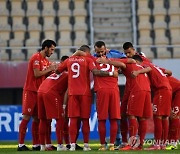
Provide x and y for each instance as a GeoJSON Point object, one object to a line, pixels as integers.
{"type": "Point", "coordinates": [22, 133]}
{"type": "Point", "coordinates": [102, 133]}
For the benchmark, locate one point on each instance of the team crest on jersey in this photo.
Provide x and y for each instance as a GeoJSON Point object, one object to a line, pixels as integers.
{"type": "Point", "coordinates": [36, 62]}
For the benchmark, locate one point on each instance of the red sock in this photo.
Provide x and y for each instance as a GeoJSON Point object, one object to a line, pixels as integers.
{"type": "Point", "coordinates": [102, 130]}
{"type": "Point", "coordinates": [165, 129]}
{"type": "Point", "coordinates": [59, 130]}
{"type": "Point", "coordinates": [42, 131]}
{"type": "Point", "coordinates": [133, 127]}
{"type": "Point", "coordinates": [142, 130]}
{"type": "Point", "coordinates": [78, 127]}
{"type": "Point", "coordinates": [35, 132]}
{"type": "Point", "coordinates": [73, 129]}
{"type": "Point", "coordinates": [66, 131]}
{"type": "Point", "coordinates": [174, 128]}
{"type": "Point", "coordinates": [157, 129]}
{"type": "Point", "coordinates": [124, 129]}
{"type": "Point", "coordinates": [85, 130]}
{"type": "Point", "coordinates": [22, 130]}
{"type": "Point", "coordinates": [48, 132]}
{"type": "Point", "coordinates": [113, 130]}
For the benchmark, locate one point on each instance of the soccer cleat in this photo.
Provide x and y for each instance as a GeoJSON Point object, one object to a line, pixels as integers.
{"type": "Point", "coordinates": [23, 148]}
{"type": "Point", "coordinates": [138, 148]}
{"type": "Point", "coordinates": [153, 147]}
{"type": "Point", "coordinates": [111, 147]}
{"type": "Point", "coordinates": [123, 144]}
{"type": "Point", "coordinates": [68, 146]}
{"type": "Point", "coordinates": [127, 147]}
{"type": "Point", "coordinates": [61, 148]}
{"type": "Point", "coordinates": [78, 147]}
{"type": "Point", "coordinates": [73, 147]}
{"type": "Point", "coordinates": [53, 147]}
{"type": "Point", "coordinates": [171, 147]}
{"type": "Point", "coordinates": [36, 148]}
{"type": "Point", "coordinates": [86, 148]}
{"type": "Point", "coordinates": [102, 148]}
{"type": "Point", "coordinates": [117, 142]}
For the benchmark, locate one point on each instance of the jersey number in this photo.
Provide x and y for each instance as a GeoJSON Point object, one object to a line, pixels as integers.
{"type": "Point", "coordinates": [75, 67]}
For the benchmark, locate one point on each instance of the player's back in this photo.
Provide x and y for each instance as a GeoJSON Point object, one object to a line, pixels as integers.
{"type": "Point", "coordinates": [175, 83]}
{"type": "Point", "coordinates": [55, 82]}
{"type": "Point", "coordinates": [79, 68]}
{"type": "Point", "coordinates": [157, 78]}
{"type": "Point", "coordinates": [141, 82]}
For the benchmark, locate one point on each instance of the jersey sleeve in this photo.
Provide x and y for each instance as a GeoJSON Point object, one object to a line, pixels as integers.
{"type": "Point", "coordinates": [63, 66]}
{"type": "Point", "coordinates": [92, 64]}
{"type": "Point", "coordinates": [36, 61]}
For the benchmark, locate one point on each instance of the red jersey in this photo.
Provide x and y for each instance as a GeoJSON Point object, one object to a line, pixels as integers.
{"type": "Point", "coordinates": [157, 78]}
{"type": "Point", "coordinates": [79, 68]}
{"type": "Point", "coordinates": [105, 82]}
{"type": "Point", "coordinates": [141, 82]}
{"type": "Point", "coordinates": [37, 61]}
{"type": "Point", "coordinates": [175, 84]}
{"type": "Point", "coordinates": [55, 82]}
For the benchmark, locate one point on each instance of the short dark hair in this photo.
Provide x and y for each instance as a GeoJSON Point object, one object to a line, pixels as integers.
{"type": "Point", "coordinates": [99, 44]}
{"type": "Point", "coordinates": [127, 45]}
{"type": "Point", "coordinates": [63, 58]}
{"type": "Point", "coordinates": [138, 58]}
{"type": "Point", "coordinates": [84, 48]}
{"type": "Point", "coordinates": [48, 43]}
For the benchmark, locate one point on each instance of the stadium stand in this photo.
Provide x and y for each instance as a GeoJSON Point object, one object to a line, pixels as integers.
{"type": "Point", "coordinates": [144, 27]}
{"type": "Point", "coordinates": [26, 23]}
{"type": "Point", "coordinates": [174, 26]}
{"type": "Point", "coordinates": [65, 27]}
{"type": "Point", "coordinates": [80, 26]}
{"type": "Point", "coordinates": [160, 27]}
{"type": "Point", "coordinates": [112, 21]}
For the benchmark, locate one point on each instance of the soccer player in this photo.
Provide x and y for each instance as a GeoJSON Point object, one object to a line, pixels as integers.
{"type": "Point", "coordinates": [100, 46]}
{"type": "Point", "coordinates": [162, 95]}
{"type": "Point", "coordinates": [138, 107]}
{"type": "Point", "coordinates": [107, 102]}
{"type": "Point", "coordinates": [174, 121]}
{"type": "Point", "coordinates": [79, 93]}
{"type": "Point", "coordinates": [38, 68]}
{"type": "Point", "coordinates": [50, 106]}
{"type": "Point", "coordinates": [129, 51]}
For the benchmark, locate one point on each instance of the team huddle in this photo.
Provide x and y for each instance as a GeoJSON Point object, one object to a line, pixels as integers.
{"type": "Point", "coordinates": [62, 91]}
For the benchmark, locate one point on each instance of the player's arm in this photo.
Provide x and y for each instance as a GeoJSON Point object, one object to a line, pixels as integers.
{"type": "Point", "coordinates": [104, 73]}
{"type": "Point", "coordinates": [116, 63]}
{"type": "Point", "coordinates": [61, 67]}
{"type": "Point", "coordinates": [167, 72]}
{"type": "Point", "coordinates": [141, 71]}
{"type": "Point", "coordinates": [38, 73]}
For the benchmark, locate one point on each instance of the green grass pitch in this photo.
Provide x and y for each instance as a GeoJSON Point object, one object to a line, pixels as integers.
{"type": "Point", "coordinates": [10, 147]}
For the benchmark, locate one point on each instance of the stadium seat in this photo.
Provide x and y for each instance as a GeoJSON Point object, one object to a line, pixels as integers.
{"type": "Point", "coordinates": [163, 53]}
{"type": "Point", "coordinates": [32, 8]}
{"type": "Point", "coordinates": [148, 52]}
{"type": "Point", "coordinates": [80, 26]}
{"type": "Point", "coordinates": [160, 26]}
{"type": "Point", "coordinates": [176, 52]}
{"type": "Point", "coordinates": [174, 25]}
{"type": "Point", "coordinates": [48, 15]}
{"type": "Point", "coordinates": [144, 25]}
{"type": "Point", "coordinates": [4, 56]}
